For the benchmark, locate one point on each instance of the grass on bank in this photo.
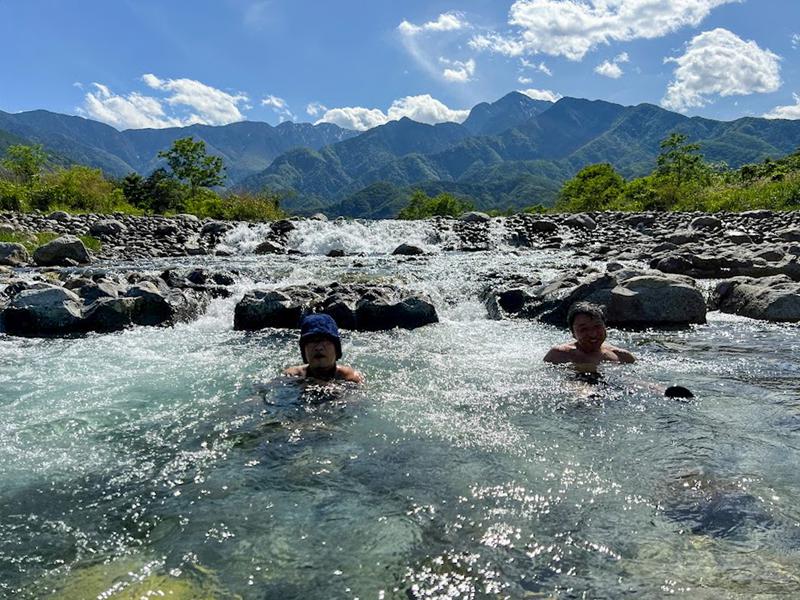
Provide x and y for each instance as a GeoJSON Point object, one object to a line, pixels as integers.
{"type": "Point", "coordinates": [31, 241]}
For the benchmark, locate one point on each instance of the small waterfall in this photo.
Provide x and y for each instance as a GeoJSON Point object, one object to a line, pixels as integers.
{"type": "Point", "coordinates": [353, 237]}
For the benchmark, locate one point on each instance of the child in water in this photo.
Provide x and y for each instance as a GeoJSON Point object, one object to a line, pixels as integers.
{"type": "Point", "coordinates": [321, 347]}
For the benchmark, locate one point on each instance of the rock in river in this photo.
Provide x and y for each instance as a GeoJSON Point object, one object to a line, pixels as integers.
{"type": "Point", "coordinates": [767, 298]}
{"type": "Point", "coordinates": [64, 251]}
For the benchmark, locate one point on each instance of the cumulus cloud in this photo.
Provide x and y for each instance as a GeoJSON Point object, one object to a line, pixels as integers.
{"type": "Point", "coordinates": [524, 80]}
{"type": "Point", "coordinates": [791, 111]}
{"type": "Point", "coordinates": [718, 62]}
{"type": "Point", "coordinates": [448, 21]}
{"type": "Point", "coordinates": [189, 102]}
{"type": "Point", "coordinates": [457, 71]}
{"type": "Point", "coordinates": [611, 68]}
{"type": "Point", "coordinates": [314, 109]}
{"type": "Point", "coordinates": [423, 108]}
{"type": "Point", "coordinates": [796, 40]}
{"type": "Point", "coordinates": [279, 107]}
{"type": "Point", "coordinates": [210, 105]}
{"type": "Point", "coordinates": [548, 95]}
{"type": "Point", "coordinates": [571, 28]}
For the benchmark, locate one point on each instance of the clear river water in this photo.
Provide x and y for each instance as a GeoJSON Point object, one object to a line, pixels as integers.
{"type": "Point", "coordinates": [178, 459]}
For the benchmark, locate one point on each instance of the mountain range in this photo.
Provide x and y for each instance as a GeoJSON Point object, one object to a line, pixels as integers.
{"type": "Point", "coordinates": [510, 153]}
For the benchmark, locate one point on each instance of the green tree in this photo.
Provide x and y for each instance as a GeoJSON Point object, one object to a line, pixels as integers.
{"type": "Point", "coordinates": [595, 187]}
{"type": "Point", "coordinates": [190, 163]}
{"type": "Point", "coordinates": [681, 170]}
{"type": "Point", "coordinates": [25, 162]}
{"type": "Point", "coordinates": [422, 206]}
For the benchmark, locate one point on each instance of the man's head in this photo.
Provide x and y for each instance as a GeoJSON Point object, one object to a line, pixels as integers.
{"type": "Point", "coordinates": [320, 345]}
{"type": "Point", "coordinates": [588, 326]}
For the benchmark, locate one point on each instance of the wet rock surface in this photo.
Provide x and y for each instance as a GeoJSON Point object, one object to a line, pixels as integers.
{"type": "Point", "coordinates": [101, 301]}
{"type": "Point", "coordinates": [769, 298]}
{"type": "Point", "coordinates": [357, 307]}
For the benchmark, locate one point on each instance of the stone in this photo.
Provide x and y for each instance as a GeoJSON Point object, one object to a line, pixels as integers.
{"type": "Point", "coordinates": [269, 247]}
{"type": "Point", "coordinates": [282, 226]}
{"type": "Point", "coordinates": [92, 291]}
{"type": "Point", "coordinates": [757, 214]}
{"type": "Point", "coordinates": [66, 250]}
{"type": "Point", "coordinates": [735, 236]}
{"type": "Point", "coordinates": [165, 229]}
{"type": "Point", "coordinates": [653, 301]}
{"type": "Point", "coordinates": [682, 237]}
{"type": "Point", "coordinates": [789, 235]}
{"type": "Point", "coordinates": [59, 215]}
{"type": "Point", "coordinates": [107, 227]}
{"type": "Point", "coordinates": [379, 315]}
{"type": "Point", "coordinates": [769, 299]}
{"type": "Point", "coordinates": [541, 226]}
{"type": "Point", "coordinates": [45, 310]}
{"type": "Point", "coordinates": [475, 217]}
{"type": "Point", "coordinates": [112, 314]}
{"type": "Point", "coordinates": [407, 250]}
{"type": "Point", "coordinates": [318, 217]}
{"type": "Point", "coordinates": [581, 221]}
{"type": "Point", "coordinates": [215, 228]}
{"type": "Point", "coordinates": [13, 255]}
{"type": "Point", "coordinates": [706, 222]}
{"type": "Point", "coordinates": [259, 309]}
{"type": "Point", "coordinates": [335, 253]}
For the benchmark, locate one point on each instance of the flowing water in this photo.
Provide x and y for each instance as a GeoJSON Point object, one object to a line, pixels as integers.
{"type": "Point", "coordinates": [177, 459]}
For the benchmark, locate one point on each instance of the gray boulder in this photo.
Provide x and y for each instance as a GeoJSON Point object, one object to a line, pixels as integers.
{"type": "Point", "coordinates": [157, 307]}
{"type": "Point", "coordinates": [269, 247]}
{"type": "Point", "coordinates": [215, 228]}
{"type": "Point", "coordinates": [13, 255]}
{"type": "Point", "coordinates": [282, 226]}
{"type": "Point", "coordinates": [475, 217]}
{"type": "Point", "coordinates": [107, 227]}
{"type": "Point", "coordinates": [65, 251]}
{"type": "Point", "coordinates": [789, 235]}
{"type": "Point", "coordinates": [541, 226]}
{"type": "Point", "coordinates": [44, 310]}
{"type": "Point", "coordinates": [769, 299]}
{"type": "Point", "coordinates": [581, 221]}
{"type": "Point", "coordinates": [407, 250]}
{"type": "Point", "coordinates": [112, 314]}
{"type": "Point", "coordinates": [259, 309]}
{"type": "Point", "coordinates": [706, 222]}
{"type": "Point", "coordinates": [649, 301]}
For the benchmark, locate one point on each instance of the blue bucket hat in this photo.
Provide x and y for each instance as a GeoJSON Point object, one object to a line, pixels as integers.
{"type": "Point", "coordinates": [322, 325]}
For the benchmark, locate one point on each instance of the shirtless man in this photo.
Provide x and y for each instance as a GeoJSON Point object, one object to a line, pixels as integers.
{"type": "Point", "coordinates": [321, 347]}
{"type": "Point", "coordinates": [589, 349]}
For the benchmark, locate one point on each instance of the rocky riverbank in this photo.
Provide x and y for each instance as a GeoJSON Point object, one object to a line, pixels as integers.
{"type": "Point", "coordinates": [648, 279]}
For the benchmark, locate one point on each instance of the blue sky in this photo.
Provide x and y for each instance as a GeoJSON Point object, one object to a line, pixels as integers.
{"type": "Point", "coordinates": [137, 63]}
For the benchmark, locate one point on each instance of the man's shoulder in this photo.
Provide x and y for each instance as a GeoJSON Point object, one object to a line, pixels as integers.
{"type": "Point", "coordinates": [624, 356]}
{"type": "Point", "coordinates": [348, 373]}
{"type": "Point", "coordinates": [297, 371]}
{"type": "Point", "coordinates": [560, 353]}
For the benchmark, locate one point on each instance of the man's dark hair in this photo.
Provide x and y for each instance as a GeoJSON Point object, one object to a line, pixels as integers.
{"type": "Point", "coordinates": [585, 308]}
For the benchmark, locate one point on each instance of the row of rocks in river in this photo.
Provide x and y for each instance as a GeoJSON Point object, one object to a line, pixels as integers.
{"type": "Point", "coordinates": [635, 298]}
{"type": "Point", "coordinates": [102, 301]}
{"type": "Point", "coordinates": [356, 307]}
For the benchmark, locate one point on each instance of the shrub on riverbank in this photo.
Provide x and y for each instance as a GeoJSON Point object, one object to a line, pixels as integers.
{"type": "Point", "coordinates": [422, 206]}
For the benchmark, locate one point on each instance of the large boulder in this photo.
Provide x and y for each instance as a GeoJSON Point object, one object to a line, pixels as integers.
{"type": "Point", "coordinates": [649, 301]}
{"type": "Point", "coordinates": [629, 299]}
{"type": "Point", "coordinates": [65, 251]}
{"type": "Point", "coordinates": [475, 217]}
{"type": "Point", "coordinates": [359, 307]}
{"type": "Point", "coordinates": [769, 298]}
{"type": "Point", "coordinates": [581, 221]}
{"type": "Point", "coordinates": [112, 314]}
{"type": "Point", "coordinates": [269, 247]}
{"type": "Point", "coordinates": [407, 250]}
{"type": "Point", "coordinates": [706, 222]}
{"type": "Point", "coordinates": [159, 307]}
{"type": "Point", "coordinates": [13, 255]}
{"type": "Point", "coordinates": [541, 226]}
{"type": "Point", "coordinates": [107, 228]}
{"type": "Point", "coordinates": [44, 310]}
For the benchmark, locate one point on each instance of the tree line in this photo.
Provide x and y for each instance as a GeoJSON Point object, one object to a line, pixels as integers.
{"type": "Point", "coordinates": [29, 180]}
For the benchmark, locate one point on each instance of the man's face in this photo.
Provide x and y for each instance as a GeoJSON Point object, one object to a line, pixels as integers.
{"type": "Point", "coordinates": [320, 352]}
{"type": "Point", "coordinates": [590, 332]}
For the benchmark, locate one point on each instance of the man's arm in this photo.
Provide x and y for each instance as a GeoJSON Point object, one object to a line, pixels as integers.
{"type": "Point", "coordinates": [298, 371]}
{"type": "Point", "coordinates": [624, 356]}
{"type": "Point", "coordinates": [349, 374]}
{"type": "Point", "coordinates": [558, 355]}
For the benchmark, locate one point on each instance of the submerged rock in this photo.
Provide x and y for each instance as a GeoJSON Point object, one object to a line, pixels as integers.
{"type": "Point", "coordinates": [407, 250]}
{"type": "Point", "coordinates": [358, 307]}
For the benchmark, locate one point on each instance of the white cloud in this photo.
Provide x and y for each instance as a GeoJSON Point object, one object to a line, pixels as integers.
{"type": "Point", "coordinates": [211, 106]}
{"type": "Point", "coordinates": [457, 71]}
{"type": "Point", "coordinates": [314, 109]}
{"type": "Point", "coordinates": [422, 108]}
{"type": "Point", "coordinates": [609, 69]}
{"type": "Point", "coordinates": [133, 111]}
{"type": "Point", "coordinates": [571, 28]}
{"type": "Point", "coordinates": [718, 62]}
{"type": "Point", "coordinates": [524, 80]}
{"type": "Point", "coordinates": [449, 21]}
{"type": "Point", "coordinates": [796, 40]}
{"type": "Point", "coordinates": [280, 107]}
{"type": "Point", "coordinates": [191, 102]}
{"type": "Point", "coordinates": [548, 95]}
{"type": "Point", "coordinates": [791, 111]}
{"type": "Point", "coordinates": [541, 67]}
